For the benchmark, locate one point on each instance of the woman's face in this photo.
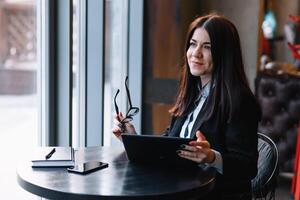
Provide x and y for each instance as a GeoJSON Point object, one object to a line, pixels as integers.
{"type": "Point", "coordinates": [199, 54]}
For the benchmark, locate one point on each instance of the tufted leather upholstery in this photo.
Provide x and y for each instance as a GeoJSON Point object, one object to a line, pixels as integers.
{"type": "Point", "coordinates": [279, 97]}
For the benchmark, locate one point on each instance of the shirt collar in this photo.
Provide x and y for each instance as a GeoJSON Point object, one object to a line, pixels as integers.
{"type": "Point", "coordinates": [205, 90]}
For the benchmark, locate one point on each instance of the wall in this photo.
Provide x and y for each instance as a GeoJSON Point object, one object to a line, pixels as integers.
{"type": "Point", "coordinates": [244, 14]}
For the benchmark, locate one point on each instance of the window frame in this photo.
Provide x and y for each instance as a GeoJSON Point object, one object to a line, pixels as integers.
{"type": "Point", "coordinates": [55, 41]}
{"type": "Point", "coordinates": [135, 57]}
{"type": "Point", "coordinates": [56, 74]}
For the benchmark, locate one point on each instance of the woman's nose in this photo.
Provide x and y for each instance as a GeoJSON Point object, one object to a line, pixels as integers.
{"type": "Point", "coordinates": [197, 52]}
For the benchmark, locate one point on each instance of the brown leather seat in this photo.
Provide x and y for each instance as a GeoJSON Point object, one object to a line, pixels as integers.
{"type": "Point", "coordinates": [279, 97]}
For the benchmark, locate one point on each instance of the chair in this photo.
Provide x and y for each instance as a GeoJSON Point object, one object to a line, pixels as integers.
{"type": "Point", "coordinates": [265, 182]}
{"type": "Point", "coordinates": [279, 98]}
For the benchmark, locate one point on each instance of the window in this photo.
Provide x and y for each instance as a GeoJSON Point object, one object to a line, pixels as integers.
{"type": "Point", "coordinates": [57, 78]}
{"type": "Point", "coordinates": [19, 99]}
{"type": "Point", "coordinates": [78, 71]}
{"type": "Point", "coordinates": [116, 47]}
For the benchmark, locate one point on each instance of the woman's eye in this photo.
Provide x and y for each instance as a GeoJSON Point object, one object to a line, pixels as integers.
{"type": "Point", "coordinates": [192, 43]}
{"type": "Point", "coordinates": [206, 47]}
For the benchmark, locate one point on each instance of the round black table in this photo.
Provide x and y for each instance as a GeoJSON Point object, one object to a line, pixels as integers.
{"type": "Point", "coordinates": [121, 180]}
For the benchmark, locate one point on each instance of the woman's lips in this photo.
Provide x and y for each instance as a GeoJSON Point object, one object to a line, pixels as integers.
{"type": "Point", "coordinates": [197, 63]}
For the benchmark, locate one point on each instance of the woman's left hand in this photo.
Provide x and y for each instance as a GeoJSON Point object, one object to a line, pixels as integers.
{"type": "Point", "coordinates": [198, 151]}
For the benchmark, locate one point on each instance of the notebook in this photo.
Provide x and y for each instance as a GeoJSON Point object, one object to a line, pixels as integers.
{"type": "Point", "coordinates": [155, 149]}
{"type": "Point", "coordinates": [53, 157]}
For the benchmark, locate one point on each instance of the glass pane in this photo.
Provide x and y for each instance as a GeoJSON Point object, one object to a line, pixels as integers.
{"type": "Point", "coordinates": [75, 107]}
{"type": "Point", "coordinates": [18, 90]}
{"type": "Point", "coordinates": [116, 20]}
{"type": "Point", "coordinates": [78, 68]}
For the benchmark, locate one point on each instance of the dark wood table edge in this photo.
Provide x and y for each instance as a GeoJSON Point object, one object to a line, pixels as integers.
{"type": "Point", "coordinates": [54, 194]}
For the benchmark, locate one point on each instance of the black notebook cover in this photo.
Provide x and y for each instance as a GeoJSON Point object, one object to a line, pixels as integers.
{"type": "Point", "coordinates": [62, 157]}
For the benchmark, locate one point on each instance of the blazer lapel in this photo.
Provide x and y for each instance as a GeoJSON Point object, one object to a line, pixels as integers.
{"type": "Point", "coordinates": [175, 130]}
{"type": "Point", "coordinates": [199, 121]}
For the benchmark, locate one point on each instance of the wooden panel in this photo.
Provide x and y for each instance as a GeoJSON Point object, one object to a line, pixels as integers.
{"type": "Point", "coordinates": [161, 117]}
{"type": "Point", "coordinates": [161, 91]}
{"type": "Point", "coordinates": [165, 27]}
{"type": "Point", "coordinates": [165, 38]}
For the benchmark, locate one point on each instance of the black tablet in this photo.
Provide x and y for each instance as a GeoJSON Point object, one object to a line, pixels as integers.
{"type": "Point", "coordinates": [152, 149]}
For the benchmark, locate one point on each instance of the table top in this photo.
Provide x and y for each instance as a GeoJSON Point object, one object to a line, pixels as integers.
{"type": "Point", "coordinates": [121, 180]}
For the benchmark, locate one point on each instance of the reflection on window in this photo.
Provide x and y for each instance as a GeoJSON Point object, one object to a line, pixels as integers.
{"type": "Point", "coordinates": [18, 89]}
{"type": "Point", "coordinates": [116, 20]}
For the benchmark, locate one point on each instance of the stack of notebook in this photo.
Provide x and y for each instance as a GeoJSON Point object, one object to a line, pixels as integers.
{"type": "Point", "coordinates": [53, 157]}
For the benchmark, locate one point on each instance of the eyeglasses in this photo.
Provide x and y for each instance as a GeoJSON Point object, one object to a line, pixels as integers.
{"type": "Point", "coordinates": [131, 111]}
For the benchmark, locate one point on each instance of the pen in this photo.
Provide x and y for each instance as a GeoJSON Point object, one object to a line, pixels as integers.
{"type": "Point", "coordinates": [50, 154]}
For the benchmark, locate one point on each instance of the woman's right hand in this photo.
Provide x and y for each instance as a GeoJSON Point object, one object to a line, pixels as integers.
{"type": "Point", "coordinates": [127, 127]}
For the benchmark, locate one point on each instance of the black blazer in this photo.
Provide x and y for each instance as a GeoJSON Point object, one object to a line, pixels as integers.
{"type": "Point", "coordinates": [236, 141]}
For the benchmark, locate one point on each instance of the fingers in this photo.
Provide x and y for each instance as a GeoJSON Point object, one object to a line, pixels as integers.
{"type": "Point", "coordinates": [119, 117]}
{"type": "Point", "coordinates": [197, 156]}
{"type": "Point", "coordinates": [201, 140]}
{"type": "Point", "coordinates": [195, 148]}
{"type": "Point", "coordinates": [117, 132]}
{"type": "Point", "coordinates": [189, 148]}
{"type": "Point", "coordinates": [197, 151]}
{"type": "Point", "coordinates": [123, 127]}
{"type": "Point", "coordinates": [117, 129]}
{"type": "Point", "coordinates": [116, 122]}
{"type": "Point", "coordinates": [187, 154]}
{"type": "Point", "coordinates": [200, 136]}
{"type": "Point", "coordinates": [197, 160]}
{"type": "Point", "coordinates": [203, 144]}
{"type": "Point", "coordinates": [130, 128]}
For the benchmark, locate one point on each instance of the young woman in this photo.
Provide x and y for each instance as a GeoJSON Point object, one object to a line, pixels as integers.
{"type": "Point", "coordinates": [216, 107]}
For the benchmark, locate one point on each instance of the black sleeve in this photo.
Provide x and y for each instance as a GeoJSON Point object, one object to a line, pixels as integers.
{"type": "Point", "coordinates": [240, 155]}
{"type": "Point", "coordinates": [168, 129]}
{"type": "Point", "coordinates": [166, 132]}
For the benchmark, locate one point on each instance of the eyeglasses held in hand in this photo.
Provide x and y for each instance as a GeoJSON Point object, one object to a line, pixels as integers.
{"type": "Point", "coordinates": [131, 111]}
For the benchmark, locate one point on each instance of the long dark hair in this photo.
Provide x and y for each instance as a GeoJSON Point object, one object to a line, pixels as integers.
{"type": "Point", "coordinates": [228, 75]}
